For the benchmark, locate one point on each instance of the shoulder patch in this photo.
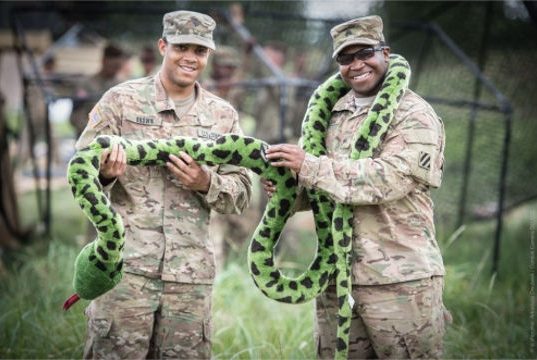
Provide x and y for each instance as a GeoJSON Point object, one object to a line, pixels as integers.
{"type": "Point", "coordinates": [424, 160]}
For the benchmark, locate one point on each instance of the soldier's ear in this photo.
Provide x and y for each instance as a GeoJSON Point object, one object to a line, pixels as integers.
{"type": "Point", "coordinates": [386, 53]}
{"type": "Point", "coordinates": [162, 46]}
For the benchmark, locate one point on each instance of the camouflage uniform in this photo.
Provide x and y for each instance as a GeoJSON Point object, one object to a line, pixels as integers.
{"type": "Point", "coordinates": [397, 269]}
{"type": "Point", "coordinates": [162, 306]}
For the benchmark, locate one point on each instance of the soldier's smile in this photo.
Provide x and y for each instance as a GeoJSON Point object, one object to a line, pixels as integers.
{"type": "Point", "coordinates": [188, 68]}
{"type": "Point", "coordinates": [362, 76]}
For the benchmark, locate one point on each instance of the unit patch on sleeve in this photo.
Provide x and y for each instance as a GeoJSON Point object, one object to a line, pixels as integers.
{"type": "Point", "coordinates": [424, 160]}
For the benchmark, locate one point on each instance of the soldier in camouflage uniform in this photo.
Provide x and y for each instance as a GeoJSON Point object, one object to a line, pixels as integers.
{"type": "Point", "coordinates": [225, 69]}
{"type": "Point", "coordinates": [90, 89]}
{"type": "Point", "coordinates": [397, 269]}
{"type": "Point", "coordinates": [230, 231]}
{"type": "Point", "coordinates": [162, 306]}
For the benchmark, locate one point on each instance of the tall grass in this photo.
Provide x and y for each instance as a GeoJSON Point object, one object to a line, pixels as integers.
{"type": "Point", "coordinates": [491, 313]}
{"type": "Point", "coordinates": [32, 323]}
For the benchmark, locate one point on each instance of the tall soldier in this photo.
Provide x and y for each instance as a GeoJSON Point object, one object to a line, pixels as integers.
{"type": "Point", "coordinates": [398, 273]}
{"type": "Point", "coordinates": [162, 306]}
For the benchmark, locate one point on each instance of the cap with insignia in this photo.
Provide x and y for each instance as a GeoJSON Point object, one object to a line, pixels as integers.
{"type": "Point", "coordinates": [361, 31]}
{"type": "Point", "coordinates": [188, 27]}
{"type": "Point", "coordinates": [226, 56]}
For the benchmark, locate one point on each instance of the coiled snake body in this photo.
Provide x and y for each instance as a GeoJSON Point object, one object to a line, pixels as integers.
{"type": "Point", "coordinates": [98, 267]}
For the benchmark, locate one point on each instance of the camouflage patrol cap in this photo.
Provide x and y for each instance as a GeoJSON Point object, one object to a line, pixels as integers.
{"type": "Point", "coordinates": [226, 56]}
{"type": "Point", "coordinates": [188, 27]}
{"type": "Point", "coordinates": [361, 31]}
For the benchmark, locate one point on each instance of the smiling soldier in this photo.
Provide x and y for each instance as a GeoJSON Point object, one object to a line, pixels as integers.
{"type": "Point", "coordinates": [397, 271]}
{"type": "Point", "coordinates": [162, 307]}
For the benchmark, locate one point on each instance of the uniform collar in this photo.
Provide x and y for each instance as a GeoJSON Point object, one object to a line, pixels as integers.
{"type": "Point", "coordinates": [164, 103]}
{"type": "Point", "coordinates": [345, 103]}
{"type": "Point", "coordinates": [348, 103]}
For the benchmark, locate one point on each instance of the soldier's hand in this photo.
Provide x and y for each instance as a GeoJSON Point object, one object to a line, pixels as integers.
{"type": "Point", "coordinates": [113, 164]}
{"type": "Point", "coordinates": [189, 173]}
{"type": "Point", "coordinates": [286, 155]}
{"type": "Point", "coordinates": [269, 187]}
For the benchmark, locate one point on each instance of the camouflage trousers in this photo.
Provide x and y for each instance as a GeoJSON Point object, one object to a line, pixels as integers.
{"type": "Point", "coordinates": [149, 318]}
{"type": "Point", "coordinates": [401, 321]}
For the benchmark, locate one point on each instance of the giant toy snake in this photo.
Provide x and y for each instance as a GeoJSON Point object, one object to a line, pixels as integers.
{"type": "Point", "coordinates": [98, 267]}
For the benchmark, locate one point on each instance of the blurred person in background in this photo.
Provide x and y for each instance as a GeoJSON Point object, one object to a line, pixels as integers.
{"type": "Point", "coordinates": [229, 231]}
{"type": "Point", "coordinates": [225, 69]}
{"type": "Point", "coordinates": [148, 59]}
{"type": "Point", "coordinates": [162, 306]}
{"type": "Point", "coordinates": [267, 102]}
{"type": "Point", "coordinates": [90, 89]}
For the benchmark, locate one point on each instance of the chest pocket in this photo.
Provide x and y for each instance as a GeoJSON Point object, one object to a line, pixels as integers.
{"type": "Point", "coordinates": [192, 125]}
{"type": "Point", "coordinates": [341, 134]}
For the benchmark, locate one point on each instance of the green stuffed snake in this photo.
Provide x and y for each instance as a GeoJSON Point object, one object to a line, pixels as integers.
{"type": "Point", "coordinates": [98, 267]}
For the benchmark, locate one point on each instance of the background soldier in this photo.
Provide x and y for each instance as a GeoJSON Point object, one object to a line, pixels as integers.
{"type": "Point", "coordinates": [398, 270]}
{"type": "Point", "coordinates": [148, 60]}
{"type": "Point", "coordinates": [267, 102]}
{"type": "Point", "coordinates": [224, 70]}
{"type": "Point", "coordinates": [162, 307]}
{"type": "Point", "coordinates": [229, 231]}
{"type": "Point", "coordinates": [90, 89]}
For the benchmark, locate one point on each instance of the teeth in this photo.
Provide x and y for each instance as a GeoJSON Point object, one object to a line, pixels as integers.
{"type": "Point", "coordinates": [187, 68]}
{"type": "Point", "coordinates": [361, 76]}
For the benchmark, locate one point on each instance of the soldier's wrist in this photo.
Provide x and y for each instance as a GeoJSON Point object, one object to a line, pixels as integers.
{"type": "Point", "coordinates": [207, 185]}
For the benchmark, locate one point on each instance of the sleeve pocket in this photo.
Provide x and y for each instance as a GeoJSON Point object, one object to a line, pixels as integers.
{"type": "Point", "coordinates": [423, 153]}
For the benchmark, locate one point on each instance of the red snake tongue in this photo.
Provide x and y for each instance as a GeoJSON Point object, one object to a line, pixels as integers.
{"type": "Point", "coordinates": [70, 302]}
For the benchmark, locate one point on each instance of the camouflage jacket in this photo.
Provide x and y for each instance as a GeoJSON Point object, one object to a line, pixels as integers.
{"type": "Point", "coordinates": [393, 228]}
{"type": "Point", "coordinates": [166, 224]}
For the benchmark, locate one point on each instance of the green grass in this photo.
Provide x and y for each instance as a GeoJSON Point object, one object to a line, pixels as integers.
{"type": "Point", "coordinates": [491, 314]}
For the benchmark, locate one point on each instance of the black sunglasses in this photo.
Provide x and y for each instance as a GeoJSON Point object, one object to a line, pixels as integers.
{"type": "Point", "coordinates": [362, 54]}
